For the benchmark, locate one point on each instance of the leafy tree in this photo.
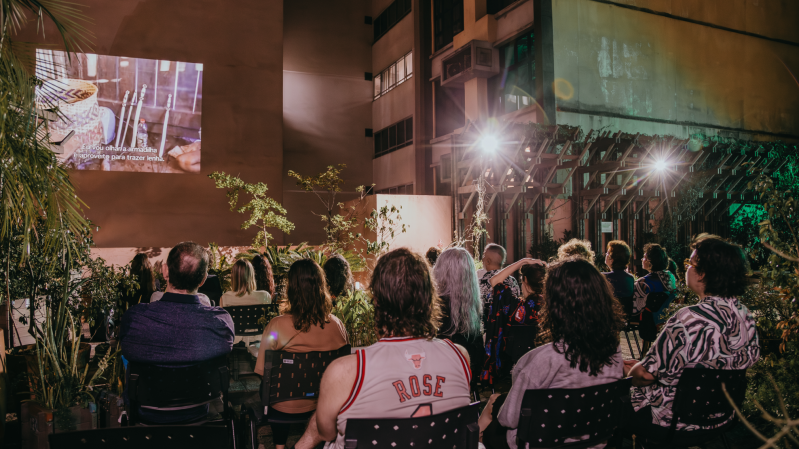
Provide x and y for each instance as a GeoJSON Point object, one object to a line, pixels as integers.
{"type": "Point", "coordinates": [264, 211]}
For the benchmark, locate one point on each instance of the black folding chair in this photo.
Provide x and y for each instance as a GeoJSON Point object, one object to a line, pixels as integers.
{"type": "Point", "coordinates": [153, 437]}
{"type": "Point", "coordinates": [289, 376]}
{"type": "Point", "coordinates": [245, 324]}
{"type": "Point", "coordinates": [588, 416]}
{"type": "Point", "coordinates": [700, 401]}
{"type": "Point", "coordinates": [456, 429]}
{"type": "Point", "coordinates": [164, 388]}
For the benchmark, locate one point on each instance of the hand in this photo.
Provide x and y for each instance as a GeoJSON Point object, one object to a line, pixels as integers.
{"type": "Point", "coordinates": [628, 366]}
{"type": "Point", "coordinates": [531, 261]}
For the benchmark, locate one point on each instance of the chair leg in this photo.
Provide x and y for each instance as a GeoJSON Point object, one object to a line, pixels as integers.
{"type": "Point", "coordinates": [253, 434]}
{"type": "Point", "coordinates": [235, 359]}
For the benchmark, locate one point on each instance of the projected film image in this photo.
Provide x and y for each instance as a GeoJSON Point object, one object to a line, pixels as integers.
{"type": "Point", "coordinates": [123, 114]}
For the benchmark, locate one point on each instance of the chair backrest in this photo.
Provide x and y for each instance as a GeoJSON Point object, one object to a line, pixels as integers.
{"type": "Point", "coordinates": [151, 437]}
{"type": "Point", "coordinates": [550, 417]}
{"type": "Point", "coordinates": [245, 318]}
{"type": "Point", "coordinates": [454, 429]}
{"type": "Point", "coordinates": [700, 399]}
{"type": "Point", "coordinates": [171, 388]}
{"type": "Point", "coordinates": [290, 376]}
{"type": "Point", "coordinates": [521, 340]}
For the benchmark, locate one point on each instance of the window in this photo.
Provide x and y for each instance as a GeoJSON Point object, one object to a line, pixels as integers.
{"type": "Point", "coordinates": [398, 190]}
{"type": "Point", "coordinates": [495, 6]}
{"type": "Point", "coordinates": [394, 75]}
{"type": "Point", "coordinates": [394, 137]}
{"type": "Point", "coordinates": [514, 87]}
{"type": "Point", "coordinates": [447, 21]}
{"type": "Point", "coordinates": [391, 16]}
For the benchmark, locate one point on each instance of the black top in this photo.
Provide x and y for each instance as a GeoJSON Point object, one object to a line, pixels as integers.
{"type": "Point", "coordinates": [473, 344]}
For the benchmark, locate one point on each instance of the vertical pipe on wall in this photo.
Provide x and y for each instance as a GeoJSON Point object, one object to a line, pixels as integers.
{"type": "Point", "coordinates": [422, 42]}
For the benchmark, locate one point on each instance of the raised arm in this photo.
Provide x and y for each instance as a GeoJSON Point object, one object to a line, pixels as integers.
{"type": "Point", "coordinates": [509, 270]}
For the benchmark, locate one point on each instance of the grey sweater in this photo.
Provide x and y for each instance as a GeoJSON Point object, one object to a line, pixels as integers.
{"type": "Point", "coordinates": [544, 368]}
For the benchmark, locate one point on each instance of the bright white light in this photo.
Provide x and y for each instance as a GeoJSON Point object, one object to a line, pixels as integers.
{"type": "Point", "coordinates": [489, 143]}
{"type": "Point", "coordinates": [357, 286]}
{"type": "Point", "coordinates": [660, 165]}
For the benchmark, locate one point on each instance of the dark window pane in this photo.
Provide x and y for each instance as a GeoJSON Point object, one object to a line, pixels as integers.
{"type": "Point", "coordinates": [409, 129]}
{"type": "Point", "coordinates": [377, 143]}
{"type": "Point", "coordinates": [400, 133]}
{"type": "Point", "coordinates": [384, 140]}
{"type": "Point", "coordinates": [392, 136]}
{"type": "Point", "coordinates": [521, 49]}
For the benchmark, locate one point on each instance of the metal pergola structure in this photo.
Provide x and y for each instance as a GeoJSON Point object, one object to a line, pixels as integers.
{"type": "Point", "coordinates": [627, 180]}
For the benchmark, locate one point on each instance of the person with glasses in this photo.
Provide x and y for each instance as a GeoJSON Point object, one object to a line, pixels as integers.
{"type": "Point", "coordinates": [717, 333]}
{"type": "Point", "coordinates": [653, 292]}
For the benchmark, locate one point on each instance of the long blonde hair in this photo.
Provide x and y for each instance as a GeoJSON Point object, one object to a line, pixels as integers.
{"type": "Point", "coordinates": [242, 277]}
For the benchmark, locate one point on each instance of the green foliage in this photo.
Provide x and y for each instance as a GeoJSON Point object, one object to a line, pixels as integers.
{"type": "Point", "coordinates": [356, 312]}
{"type": "Point", "coordinates": [264, 211]}
{"type": "Point", "coordinates": [220, 266]}
{"type": "Point", "coordinates": [34, 185]}
{"type": "Point", "coordinates": [386, 223]}
{"type": "Point", "coordinates": [547, 249]}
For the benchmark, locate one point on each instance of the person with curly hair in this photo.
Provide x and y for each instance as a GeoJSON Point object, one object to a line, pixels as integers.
{"type": "Point", "coordinates": [306, 325]}
{"type": "Point", "coordinates": [717, 333]}
{"type": "Point", "coordinates": [432, 255]}
{"type": "Point", "coordinates": [653, 292]}
{"type": "Point", "coordinates": [408, 372]}
{"type": "Point", "coordinates": [264, 278]}
{"type": "Point", "coordinates": [584, 320]}
{"type": "Point", "coordinates": [576, 247]}
{"type": "Point", "coordinates": [338, 276]}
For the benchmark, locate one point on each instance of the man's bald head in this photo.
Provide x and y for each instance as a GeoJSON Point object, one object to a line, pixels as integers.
{"type": "Point", "coordinates": [188, 265]}
{"type": "Point", "coordinates": [493, 257]}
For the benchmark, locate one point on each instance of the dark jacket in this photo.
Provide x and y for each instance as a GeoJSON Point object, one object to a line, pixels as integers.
{"type": "Point", "coordinates": [175, 331]}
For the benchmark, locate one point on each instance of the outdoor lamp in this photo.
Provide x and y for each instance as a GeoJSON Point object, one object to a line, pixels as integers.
{"type": "Point", "coordinates": [489, 143]}
{"type": "Point", "coordinates": [660, 165]}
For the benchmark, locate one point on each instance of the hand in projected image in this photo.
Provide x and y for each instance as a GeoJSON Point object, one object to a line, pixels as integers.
{"type": "Point", "coordinates": [189, 162]}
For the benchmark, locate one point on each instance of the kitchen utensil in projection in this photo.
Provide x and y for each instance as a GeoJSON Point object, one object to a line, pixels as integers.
{"type": "Point", "coordinates": [122, 116]}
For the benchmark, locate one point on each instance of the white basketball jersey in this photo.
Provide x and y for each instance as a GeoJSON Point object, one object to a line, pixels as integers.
{"type": "Point", "coordinates": [404, 377]}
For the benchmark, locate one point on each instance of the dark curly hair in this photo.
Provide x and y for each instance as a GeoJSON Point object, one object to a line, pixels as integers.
{"type": "Point", "coordinates": [533, 274]}
{"type": "Point", "coordinates": [308, 301]}
{"type": "Point", "coordinates": [264, 279]}
{"type": "Point", "coordinates": [338, 275]}
{"type": "Point", "coordinates": [723, 265]}
{"type": "Point", "coordinates": [580, 311]}
{"type": "Point", "coordinates": [656, 255]}
{"type": "Point", "coordinates": [619, 254]}
{"type": "Point", "coordinates": [432, 255]}
{"type": "Point", "coordinates": [404, 296]}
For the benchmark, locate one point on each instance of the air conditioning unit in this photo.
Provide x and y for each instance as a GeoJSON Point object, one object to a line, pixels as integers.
{"type": "Point", "coordinates": [477, 59]}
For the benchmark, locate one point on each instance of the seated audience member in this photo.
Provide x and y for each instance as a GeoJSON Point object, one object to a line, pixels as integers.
{"type": "Point", "coordinates": [305, 326]}
{"type": "Point", "coordinates": [718, 333]}
{"type": "Point", "coordinates": [156, 296]}
{"type": "Point", "coordinates": [242, 283]}
{"type": "Point", "coordinates": [432, 255]}
{"type": "Point", "coordinates": [653, 292]}
{"type": "Point", "coordinates": [407, 372]}
{"type": "Point", "coordinates": [617, 257]}
{"type": "Point", "coordinates": [505, 309]}
{"type": "Point", "coordinates": [338, 276]}
{"type": "Point", "coordinates": [141, 268]}
{"type": "Point", "coordinates": [576, 247]}
{"type": "Point", "coordinates": [264, 279]}
{"type": "Point", "coordinates": [178, 330]}
{"type": "Point", "coordinates": [584, 321]}
{"type": "Point", "coordinates": [461, 308]}
{"type": "Point", "coordinates": [533, 275]}
{"type": "Point", "coordinates": [493, 261]}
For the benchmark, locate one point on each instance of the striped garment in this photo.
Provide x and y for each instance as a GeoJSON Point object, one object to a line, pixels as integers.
{"type": "Point", "coordinates": [717, 333]}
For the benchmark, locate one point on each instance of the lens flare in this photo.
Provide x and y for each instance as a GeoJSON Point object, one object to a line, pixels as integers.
{"type": "Point", "coordinates": [489, 143]}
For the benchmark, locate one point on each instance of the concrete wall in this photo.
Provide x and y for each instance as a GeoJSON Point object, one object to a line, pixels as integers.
{"type": "Point", "coordinates": [242, 116]}
{"type": "Point", "coordinates": [327, 103]}
{"type": "Point", "coordinates": [395, 168]}
{"type": "Point", "coordinates": [396, 105]}
{"type": "Point", "coordinates": [621, 62]}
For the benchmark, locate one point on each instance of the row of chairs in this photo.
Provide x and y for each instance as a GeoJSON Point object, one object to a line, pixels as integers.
{"type": "Point", "coordinates": [555, 418]}
{"type": "Point", "coordinates": [700, 400]}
